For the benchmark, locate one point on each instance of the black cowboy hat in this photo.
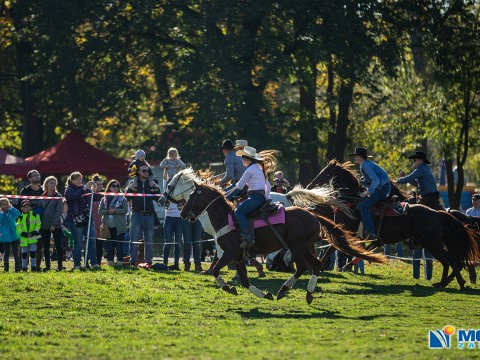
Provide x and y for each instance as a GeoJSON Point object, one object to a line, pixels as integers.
{"type": "Point", "coordinates": [476, 196]}
{"type": "Point", "coordinates": [360, 151]}
{"type": "Point", "coordinates": [420, 155]}
{"type": "Point", "coordinates": [227, 144]}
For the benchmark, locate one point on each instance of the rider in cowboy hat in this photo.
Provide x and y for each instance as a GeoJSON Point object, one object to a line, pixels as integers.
{"type": "Point", "coordinates": [376, 180]}
{"type": "Point", "coordinates": [233, 164]}
{"type": "Point", "coordinates": [255, 178]}
{"type": "Point", "coordinates": [422, 177]}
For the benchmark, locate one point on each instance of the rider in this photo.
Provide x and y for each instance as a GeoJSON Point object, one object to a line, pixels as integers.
{"type": "Point", "coordinates": [255, 177]}
{"type": "Point", "coordinates": [423, 178]}
{"type": "Point", "coordinates": [376, 180]}
{"type": "Point", "coordinates": [233, 164]}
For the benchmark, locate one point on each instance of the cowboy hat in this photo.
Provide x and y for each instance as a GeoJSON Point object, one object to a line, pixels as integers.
{"type": "Point", "coordinates": [360, 151]}
{"type": "Point", "coordinates": [420, 155]}
{"type": "Point", "coordinates": [240, 143]}
{"type": "Point", "coordinates": [227, 144]}
{"type": "Point", "coordinates": [249, 152]}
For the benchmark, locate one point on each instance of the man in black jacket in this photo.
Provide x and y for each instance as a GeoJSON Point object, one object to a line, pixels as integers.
{"type": "Point", "coordinates": [142, 217]}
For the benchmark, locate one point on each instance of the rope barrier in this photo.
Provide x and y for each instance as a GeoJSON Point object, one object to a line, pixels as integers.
{"type": "Point", "coordinates": [32, 197]}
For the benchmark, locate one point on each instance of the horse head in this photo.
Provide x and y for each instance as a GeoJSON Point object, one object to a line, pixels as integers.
{"type": "Point", "coordinates": [341, 176]}
{"type": "Point", "coordinates": [199, 200]}
{"type": "Point", "coordinates": [180, 186]}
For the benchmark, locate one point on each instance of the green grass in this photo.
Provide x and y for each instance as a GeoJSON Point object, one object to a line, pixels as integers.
{"type": "Point", "coordinates": [133, 314]}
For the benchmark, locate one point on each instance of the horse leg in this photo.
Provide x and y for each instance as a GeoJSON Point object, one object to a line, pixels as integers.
{"type": "Point", "coordinates": [258, 266]}
{"type": "Point", "coordinates": [301, 267]}
{"type": "Point", "coordinates": [316, 265]}
{"type": "Point", "coordinates": [242, 273]}
{"type": "Point", "coordinates": [325, 256]}
{"type": "Point", "coordinates": [222, 262]}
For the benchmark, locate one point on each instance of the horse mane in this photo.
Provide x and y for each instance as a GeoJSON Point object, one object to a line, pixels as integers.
{"type": "Point", "coordinates": [348, 168]}
{"type": "Point", "coordinates": [191, 175]}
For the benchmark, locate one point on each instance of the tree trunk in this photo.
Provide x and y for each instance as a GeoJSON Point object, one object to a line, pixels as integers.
{"type": "Point", "coordinates": [345, 98]}
{"type": "Point", "coordinates": [308, 147]}
{"type": "Point", "coordinates": [330, 155]}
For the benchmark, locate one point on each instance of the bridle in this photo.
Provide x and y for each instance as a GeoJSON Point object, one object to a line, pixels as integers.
{"type": "Point", "coordinates": [171, 188]}
{"type": "Point", "coordinates": [191, 213]}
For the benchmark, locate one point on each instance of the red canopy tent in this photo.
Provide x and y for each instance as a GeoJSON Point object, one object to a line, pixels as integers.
{"type": "Point", "coordinates": [75, 154]}
{"type": "Point", "coordinates": [12, 165]}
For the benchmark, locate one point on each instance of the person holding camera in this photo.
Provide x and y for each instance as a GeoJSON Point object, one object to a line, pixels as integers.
{"type": "Point", "coordinates": [280, 184]}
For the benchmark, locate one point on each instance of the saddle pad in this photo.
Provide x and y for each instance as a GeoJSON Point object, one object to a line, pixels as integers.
{"type": "Point", "coordinates": [396, 211]}
{"type": "Point", "coordinates": [275, 219]}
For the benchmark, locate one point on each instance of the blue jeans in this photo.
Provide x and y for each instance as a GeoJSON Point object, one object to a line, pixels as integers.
{"type": "Point", "coordinates": [365, 205]}
{"type": "Point", "coordinates": [126, 244]}
{"type": "Point", "coordinates": [78, 233]}
{"type": "Point", "coordinates": [254, 202]}
{"type": "Point", "coordinates": [360, 266]}
{"type": "Point", "coordinates": [173, 234]}
{"type": "Point", "coordinates": [141, 227]}
{"type": "Point", "coordinates": [399, 248]}
{"type": "Point", "coordinates": [114, 246]}
{"type": "Point", "coordinates": [427, 264]}
{"type": "Point", "coordinates": [192, 234]}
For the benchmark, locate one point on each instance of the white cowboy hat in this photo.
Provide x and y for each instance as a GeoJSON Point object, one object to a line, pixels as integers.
{"type": "Point", "coordinates": [241, 143]}
{"type": "Point", "coordinates": [249, 152]}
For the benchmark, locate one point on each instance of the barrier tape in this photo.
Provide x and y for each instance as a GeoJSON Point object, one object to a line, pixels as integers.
{"type": "Point", "coordinates": [62, 197]}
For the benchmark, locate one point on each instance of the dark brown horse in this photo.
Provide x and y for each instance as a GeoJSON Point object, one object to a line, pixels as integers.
{"type": "Point", "coordinates": [300, 231]}
{"type": "Point", "coordinates": [427, 228]}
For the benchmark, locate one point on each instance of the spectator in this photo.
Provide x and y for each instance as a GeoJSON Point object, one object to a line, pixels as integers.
{"type": "Point", "coordinates": [78, 218]}
{"type": "Point", "coordinates": [8, 233]}
{"type": "Point", "coordinates": [33, 189]}
{"type": "Point", "coordinates": [28, 228]}
{"type": "Point", "coordinates": [398, 247]}
{"type": "Point", "coordinates": [171, 165]}
{"type": "Point", "coordinates": [142, 218]}
{"type": "Point", "coordinates": [114, 210]}
{"type": "Point", "coordinates": [96, 218]}
{"type": "Point", "coordinates": [280, 177]}
{"type": "Point", "coordinates": [278, 186]}
{"type": "Point", "coordinates": [51, 223]}
{"type": "Point", "coordinates": [473, 211]}
{"type": "Point", "coordinates": [427, 263]}
{"type": "Point", "coordinates": [192, 236]}
{"type": "Point", "coordinates": [173, 235]}
{"type": "Point", "coordinates": [133, 169]}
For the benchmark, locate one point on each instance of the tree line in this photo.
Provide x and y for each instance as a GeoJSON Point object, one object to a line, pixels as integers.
{"type": "Point", "coordinates": [311, 78]}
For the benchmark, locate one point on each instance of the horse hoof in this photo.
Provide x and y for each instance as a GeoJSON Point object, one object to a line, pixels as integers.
{"type": "Point", "coordinates": [261, 274]}
{"type": "Point", "coordinates": [268, 296]}
{"type": "Point", "coordinates": [309, 298]}
{"type": "Point", "coordinates": [438, 285]}
{"type": "Point", "coordinates": [233, 290]}
{"type": "Point", "coordinates": [281, 295]}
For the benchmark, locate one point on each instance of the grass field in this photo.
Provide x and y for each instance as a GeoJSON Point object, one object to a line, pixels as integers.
{"type": "Point", "coordinates": [140, 314]}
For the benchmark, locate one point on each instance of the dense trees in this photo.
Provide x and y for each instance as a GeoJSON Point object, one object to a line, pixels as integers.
{"type": "Point", "coordinates": [312, 79]}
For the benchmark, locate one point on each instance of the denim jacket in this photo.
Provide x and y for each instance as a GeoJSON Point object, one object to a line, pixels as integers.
{"type": "Point", "coordinates": [373, 176]}
{"type": "Point", "coordinates": [422, 177]}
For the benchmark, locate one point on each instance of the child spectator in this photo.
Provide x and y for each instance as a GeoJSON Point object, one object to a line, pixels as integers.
{"type": "Point", "coordinates": [171, 165]}
{"type": "Point", "coordinates": [28, 227]}
{"type": "Point", "coordinates": [8, 233]}
{"type": "Point", "coordinates": [135, 165]}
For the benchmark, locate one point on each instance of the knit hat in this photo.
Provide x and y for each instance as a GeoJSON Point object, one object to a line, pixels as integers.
{"type": "Point", "coordinates": [26, 202]}
{"type": "Point", "coordinates": [139, 154]}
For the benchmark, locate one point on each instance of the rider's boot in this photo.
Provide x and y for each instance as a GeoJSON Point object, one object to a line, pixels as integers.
{"type": "Point", "coordinates": [247, 239]}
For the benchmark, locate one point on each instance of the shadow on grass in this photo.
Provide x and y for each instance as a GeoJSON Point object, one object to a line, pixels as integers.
{"type": "Point", "coordinates": [265, 314]}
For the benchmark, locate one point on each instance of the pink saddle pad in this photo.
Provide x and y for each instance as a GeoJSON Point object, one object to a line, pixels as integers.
{"type": "Point", "coordinates": [275, 219]}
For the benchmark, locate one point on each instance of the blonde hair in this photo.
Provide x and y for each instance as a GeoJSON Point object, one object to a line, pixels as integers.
{"type": "Point", "coordinates": [173, 150]}
{"type": "Point", "coordinates": [3, 200]}
{"type": "Point", "coordinates": [47, 180]}
{"type": "Point", "coordinates": [270, 160]}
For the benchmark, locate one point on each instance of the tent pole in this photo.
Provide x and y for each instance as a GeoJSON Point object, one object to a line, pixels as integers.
{"type": "Point", "coordinates": [88, 230]}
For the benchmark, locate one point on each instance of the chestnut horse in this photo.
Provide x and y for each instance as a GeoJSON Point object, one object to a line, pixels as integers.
{"type": "Point", "coordinates": [300, 231]}
{"type": "Point", "coordinates": [428, 228]}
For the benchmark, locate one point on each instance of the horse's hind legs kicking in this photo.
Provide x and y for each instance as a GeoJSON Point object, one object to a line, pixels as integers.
{"type": "Point", "coordinates": [446, 259]}
{"type": "Point", "coordinates": [242, 273]}
{"type": "Point", "coordinates": [301, 267]}
{"type": "Point", "coordinates": [316, 265]}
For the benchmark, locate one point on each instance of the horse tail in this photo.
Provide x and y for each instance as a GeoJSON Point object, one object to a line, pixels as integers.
{"type": "Point", "coordinates": [325, 195]}
{"type": "Point", "coordinates": [346, 242]}
{"type": "Point", "coordinates": [461, 242]}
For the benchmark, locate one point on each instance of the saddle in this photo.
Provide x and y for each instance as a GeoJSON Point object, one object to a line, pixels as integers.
{"type": "Point", "coordinates": [273, 213]}
{"type": "Point", "coordinates": [389, 207]}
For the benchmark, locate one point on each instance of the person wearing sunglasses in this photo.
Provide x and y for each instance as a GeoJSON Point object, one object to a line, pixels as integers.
{"type": "Point", "coordinates": [142, 219]}
{"type": "Point", "coordinates": [113, 209]}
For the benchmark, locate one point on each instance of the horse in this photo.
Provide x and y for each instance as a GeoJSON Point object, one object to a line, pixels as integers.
{"type": "Point", "coordinates": [426, 227]}
{"type": "Point", "coordinates": [299, 232]}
